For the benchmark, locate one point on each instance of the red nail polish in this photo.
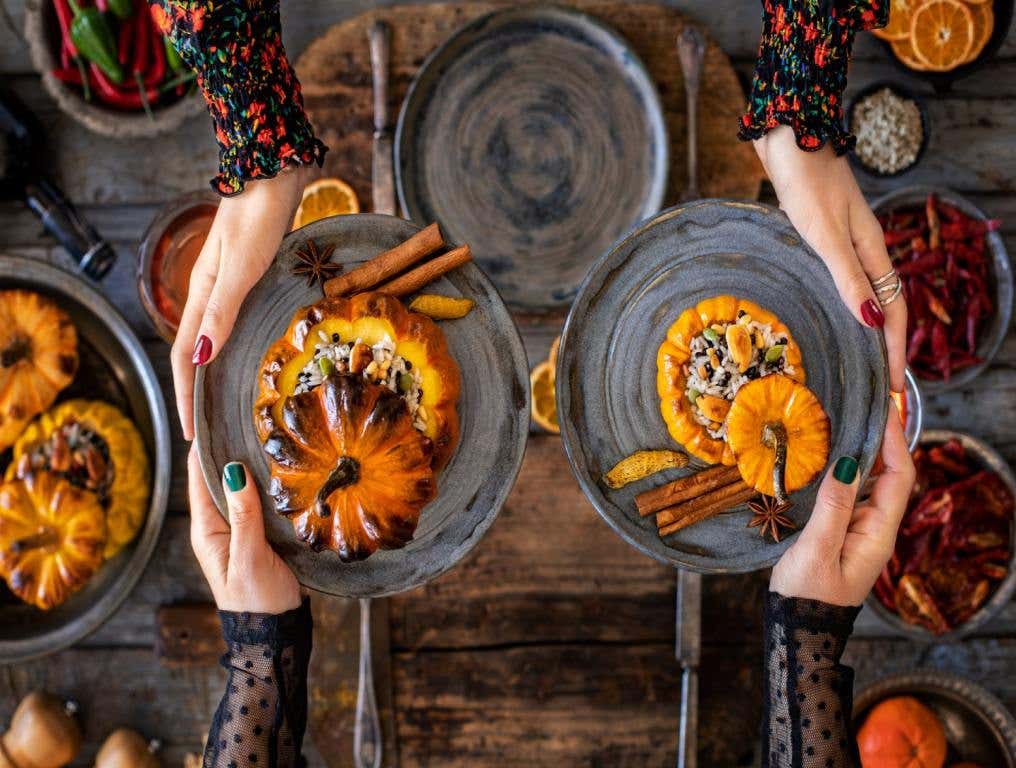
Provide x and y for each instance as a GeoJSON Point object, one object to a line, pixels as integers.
{"type": "Point", "coordinates": [872, 314]}
{"type": "Point", "coordinates": [203, 350]}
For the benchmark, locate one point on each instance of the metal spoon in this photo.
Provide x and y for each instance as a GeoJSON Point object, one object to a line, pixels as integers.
{"type": "Point", "coordinates": [367, 726]}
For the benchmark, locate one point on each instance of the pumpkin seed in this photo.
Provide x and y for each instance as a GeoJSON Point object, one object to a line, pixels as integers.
{"type": "Point", "coordinates": [711, 335]}
{"type": "Point", "coordinates": [405, 382]}
{"type": "Point", "coordinates": [775, 352]}
{"type": "Point", "coordinates": [694, 394]}
{"type": "Point", "coordinates": [326, 365]}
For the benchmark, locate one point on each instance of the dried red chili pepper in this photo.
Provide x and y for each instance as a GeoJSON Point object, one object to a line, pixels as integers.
{"type": "Point", "coordinates": [157, 70]}
{"type": "Point", "coordinates": [63, 17]}
{"type": "Point", "coordinates": [934, 239]}
{"type": "Point", "coordinates": [67, 75]}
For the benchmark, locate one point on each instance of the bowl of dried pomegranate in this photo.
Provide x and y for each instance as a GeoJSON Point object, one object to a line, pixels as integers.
{"type": "Point", "coordinates": [953, 567]}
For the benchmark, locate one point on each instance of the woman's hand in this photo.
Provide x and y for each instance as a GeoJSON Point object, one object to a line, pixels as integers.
{"type": "Point", "coordinates": [819, 194]}
{"type": "Point", "coordinates": [241, 244]}
{"type": "Point", "coordinates": [242, 569]}
{"type": "Point", "coordinates": [844, 547]}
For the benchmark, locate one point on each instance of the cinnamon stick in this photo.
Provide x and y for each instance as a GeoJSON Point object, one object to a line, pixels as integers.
{"type": "Point", "coordinates": [721, 496]}
{"type": "Point", "coordinates": [685, 489]}
{"type": "Point", "coordinates": [390, 263]}
{"type": "Point", "coordinates": [417, 278]}
{"type": "Point", "coordinates": [744, 494]}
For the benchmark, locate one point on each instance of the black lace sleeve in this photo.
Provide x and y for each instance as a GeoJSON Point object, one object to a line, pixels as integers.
{"type": "Point", "coordinates": [263, 714]}
{"type": "Point", "coordinates": [808, 693]}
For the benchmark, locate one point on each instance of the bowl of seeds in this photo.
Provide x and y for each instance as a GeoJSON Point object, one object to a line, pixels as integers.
{"type": "Point", "coordinates": [891, 126]}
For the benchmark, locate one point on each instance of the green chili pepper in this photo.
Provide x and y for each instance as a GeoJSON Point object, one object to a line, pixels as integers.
{"type": "Point", "coordinates": [122, 9]}
{"type": "Point", "coordinates": [775, 352]}
{"type": "Point", "coordinates": [172, 55]}
{"type": "Point", "coordinates": [91, 34]}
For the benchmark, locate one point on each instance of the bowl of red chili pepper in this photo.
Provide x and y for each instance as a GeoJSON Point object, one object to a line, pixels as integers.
{"type": "Point", "coordinates": [952, 569]}
{"type": "Point", "coordinates": [957, 281]}
{"type": "Point", "coordinates": [108, 66]}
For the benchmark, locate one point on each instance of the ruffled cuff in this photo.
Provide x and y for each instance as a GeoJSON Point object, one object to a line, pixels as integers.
{"type": "Point", "coordinates": [798, 613]}
{"type": "Point", "coordinates": [801, 70]}
{"type": "Point", "coordinates": [253, 95]}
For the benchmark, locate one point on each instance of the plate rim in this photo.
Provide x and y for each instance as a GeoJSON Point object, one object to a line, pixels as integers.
{"type": "Point", "coordinates": [211, 474]}
{"type": "Point", "coordinates": [653, 203]}
{"type": "Point", "coordinates": [561, 390]}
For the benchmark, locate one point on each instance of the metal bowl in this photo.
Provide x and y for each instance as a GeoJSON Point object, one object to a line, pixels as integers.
{"type": "Point", "coordinates": [988, 458]}
{"type": "Point", "coordinates": [978, 727]}
{"type": "Point", "coordinates": [999, 274]}
{"type": "Point", "coordinates": [113, 367]}
{"type": "Point", "coordinates": [915, 410]}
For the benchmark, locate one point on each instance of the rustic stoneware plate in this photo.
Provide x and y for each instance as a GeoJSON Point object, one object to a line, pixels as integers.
{"type": "Point", "coordinates": [988, 458]}
{"type": "Point", "coordinates": [606, 378]}
{"type": "Point", "coordinates": [535, 135]}
{"type": "Point", "coordinates": [112, 367]}
{"type": "Point", "coordinates": [978, 727]}
{"type": "Point", "coordinates": [493, 409]}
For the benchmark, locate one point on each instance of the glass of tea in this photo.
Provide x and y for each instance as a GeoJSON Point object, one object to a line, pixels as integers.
{"type": "Point", "coordinates": [167, 254]}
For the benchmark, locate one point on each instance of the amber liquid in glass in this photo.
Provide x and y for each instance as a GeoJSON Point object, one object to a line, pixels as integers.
{"type": "Point", "coordinates": [174, 258]}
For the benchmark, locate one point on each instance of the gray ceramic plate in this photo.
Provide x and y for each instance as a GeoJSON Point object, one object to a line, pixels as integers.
{"type": "Point", "coordinates": [493, 409]}
{"type": "Point", "coordinates": [1000, 276]}
{"type": "Point", "coordinates": [606, 378]}
{"type": "Point", "coordinates": [978, 727]}
{"type": "Point", "coordinates": [535, 135]}
{"type": "Point", "coordinates": [988, 458]}
{"type": "Point", "coordinates": [113, 367]}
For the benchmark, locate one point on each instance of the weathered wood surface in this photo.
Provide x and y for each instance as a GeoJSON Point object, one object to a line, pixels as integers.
{"type": "Point", "coordinates": [553, 643]}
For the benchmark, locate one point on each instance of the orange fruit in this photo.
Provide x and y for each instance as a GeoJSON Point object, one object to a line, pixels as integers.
{"type": "Point", "coordinates": [984, 25]}
{"type": "Point", "coordinates": [324, 198]}
{"type": "Point", "coordinates": [544, 404]}
{"type": "Point", "coordinates": [901, 733]}
{"type": "Point", "coordinates": [898, 27]}
{"type": "Point", "coordinates": [942, 33]}
{"type": "Point", "coordinates": [904, 51]}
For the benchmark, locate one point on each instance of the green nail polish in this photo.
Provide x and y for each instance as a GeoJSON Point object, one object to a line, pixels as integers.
{"type": "Point", "coordinates": [845, 470]}
{"type": "Point", "coordinates": [235, 477]}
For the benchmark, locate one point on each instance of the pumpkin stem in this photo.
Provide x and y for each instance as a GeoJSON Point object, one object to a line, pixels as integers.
{"type": "Point", "coordinates": [44, 538]}
{"type": "Point", "coordinates": [346, 472]}
{"type": "Point", "coordinates": [774, 435]}
{"type": "Point", "coordinates": [19, 348]}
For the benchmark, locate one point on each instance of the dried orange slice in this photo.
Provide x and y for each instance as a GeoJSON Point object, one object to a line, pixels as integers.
{"type": "Point", "coordinates": [324, 198]}
{"type": "Point", "coordinates": [942, 33]}
{"type": "Point", "coordinates": [898, 27]}
{"type": "Point", "coordinates": [544, 406]}
{"type": "Point", "coordinates": [984, 25]}
{"type": "Point", "coordinates": [904, 51]}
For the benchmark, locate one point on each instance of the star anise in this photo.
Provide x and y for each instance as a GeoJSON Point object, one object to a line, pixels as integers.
{"type": "Point", "coordinates": [769, 517]}
{"type": "Point", "coordinates": [315, 263]}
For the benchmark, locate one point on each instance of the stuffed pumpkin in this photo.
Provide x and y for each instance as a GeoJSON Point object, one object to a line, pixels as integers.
{"type": "Point", "coordinates": [710, 352]}
{"type": "Point", "coordinates": [374, 336]}
{"type": "Point", "coordinates": [52, 537]}
{"type": "Point", "coordinates": [97, 448]}
{"type": "Point", "coordinates": [349, 468]}
{"type": "Point", "coordinates": [38, 358]}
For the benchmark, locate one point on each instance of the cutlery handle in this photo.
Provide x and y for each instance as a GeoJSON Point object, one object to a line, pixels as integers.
{"type": "Point", "coordinates": [691, 49]}
{"type": "Point", "coordinates": [380, 37]}
{"type": "Point", "coordinates": [687, 737]}
{"type": "Point", "coordinates": [367, 727]}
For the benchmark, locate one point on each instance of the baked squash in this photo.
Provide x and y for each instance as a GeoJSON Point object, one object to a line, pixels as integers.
{"type": "Point", "coordinates": [52, 537]}
{"type": "Point", "coordinates": [710, 351]}
{"type": "Point", "coordinates": [349, 468]}
{"type": "Point", "coordinates": [779, 433]}
{"type": "Point", "coordinates": [38, 358]}
{"type": "Point", "coordinates": [373, 335]}
{"type": "Point", "coordinates": [97, 448]}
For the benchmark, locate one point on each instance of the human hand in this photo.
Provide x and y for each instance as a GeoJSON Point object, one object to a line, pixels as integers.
{"type": "Point", "coordinates": [819, 194]}
{"type": "Point", "coordinates": [242, 569]}
{"type": "Point", "coordinates": [240, 246]}
{"type": "Point", "coordinates": [844, 547]}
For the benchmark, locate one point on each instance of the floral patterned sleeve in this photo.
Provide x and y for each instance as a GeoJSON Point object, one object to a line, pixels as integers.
{"type": "Point", "coordinates": [802, 68]}
{"type": "Point", "coordinates": [253, 96]}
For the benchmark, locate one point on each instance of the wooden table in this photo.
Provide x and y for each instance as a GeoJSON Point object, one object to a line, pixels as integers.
{"type": "Point", "coordinates": [552, 644]}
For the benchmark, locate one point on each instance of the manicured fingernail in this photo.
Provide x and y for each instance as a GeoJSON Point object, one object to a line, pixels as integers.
{"type": "Point", "coordinates": [845, 470]}
{"type": "Point", "coordinates": [872, 314]}
{"type": "Point", "coordinates": [202, 350]}
{"type": "Point", "coordinates": [234, 476]}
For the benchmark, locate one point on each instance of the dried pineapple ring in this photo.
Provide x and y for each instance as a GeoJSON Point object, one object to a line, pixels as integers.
{"type": "Point", "coordinates": [441, 307]}
{"type": "Point", "coordinates": [642, 464]}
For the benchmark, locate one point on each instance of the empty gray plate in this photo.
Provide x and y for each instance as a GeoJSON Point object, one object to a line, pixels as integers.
{"type": "Point", "coordinates": [606, 377]}
{"type": "Point", "coordinates": [493, 411]}
{"type": "Point", "coordinates": [536, 135]}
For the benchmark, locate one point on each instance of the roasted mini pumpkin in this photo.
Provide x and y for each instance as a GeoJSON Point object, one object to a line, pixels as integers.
{"type": "Point", "coordinates": [52, 537]}
{"type": "Point", "coordinates": [97, 448]}
{"type": "Point", "coordinates": [779, 434]}
{"type": "Point", "coordinates": [349, 468]}
{"type": "Point", "coordinates": [675, 354]}
{"type": "Point", "coordinates": [369, 317]}
{"type": "Point", "coordinates": [38, 358]}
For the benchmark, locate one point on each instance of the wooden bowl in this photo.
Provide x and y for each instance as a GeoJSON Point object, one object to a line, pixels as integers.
{"type": "Point", "coordinates": [42, 34]}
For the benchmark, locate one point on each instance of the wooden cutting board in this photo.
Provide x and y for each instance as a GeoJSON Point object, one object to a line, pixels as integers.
{"type": "Point", "coordinates": [335, 73]}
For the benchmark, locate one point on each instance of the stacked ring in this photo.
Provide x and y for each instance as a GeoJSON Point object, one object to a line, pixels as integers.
{"type": "Point", "coordinates": [887, 288]}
